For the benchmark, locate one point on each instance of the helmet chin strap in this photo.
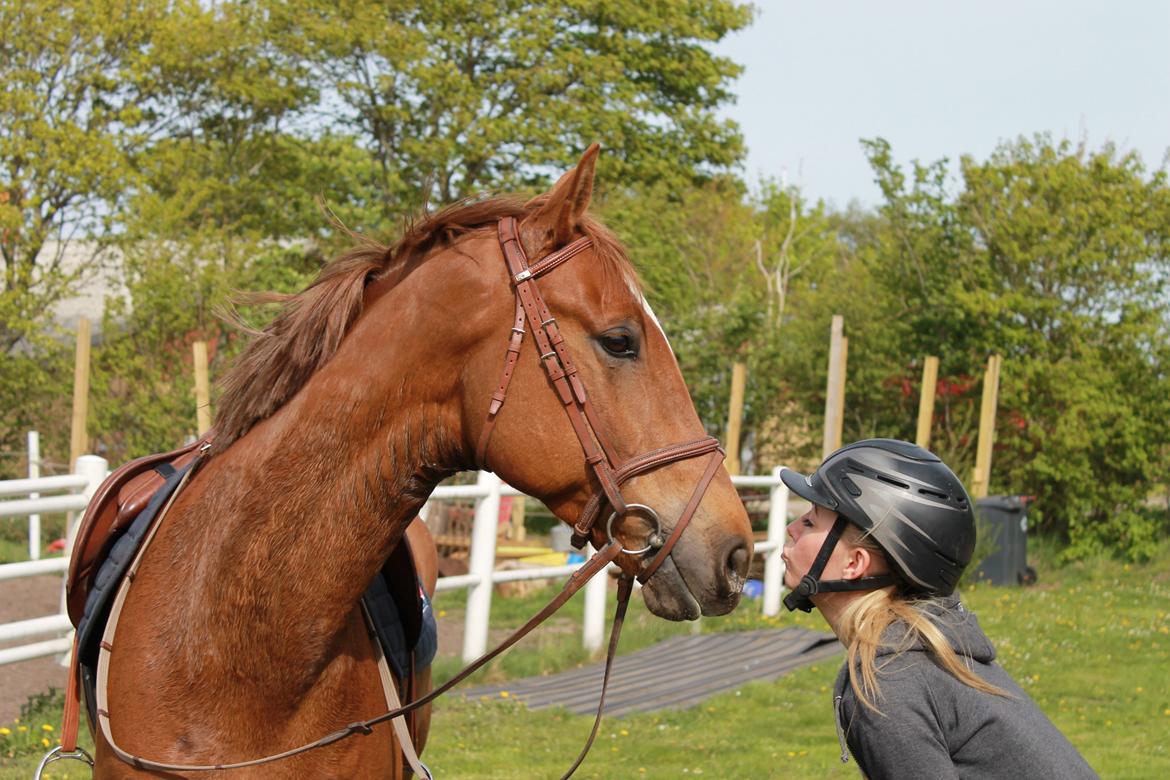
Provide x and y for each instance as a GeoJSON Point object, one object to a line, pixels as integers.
{"type": "Point", "coordinates": [811, 583]}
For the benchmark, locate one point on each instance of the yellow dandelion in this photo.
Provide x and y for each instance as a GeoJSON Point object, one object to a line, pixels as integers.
{"type": "Point", "coordinates": [504, 694]}
{"type": "Point", "coordinates": [5, 731]}
{"type": "Point", "coordinates": [624, 733]}
{"type": "Point", "coordinates": [22, 728]}
{"type": "Point", "coordinates": [45, 741]}
{"type": "Point", "coordinates": [46, 727]}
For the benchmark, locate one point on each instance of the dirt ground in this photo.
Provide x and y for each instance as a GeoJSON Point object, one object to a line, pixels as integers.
{"type": "Point", "coordinates": [30, 597]}
{"type": "Point", "coordinates": [21, 599]}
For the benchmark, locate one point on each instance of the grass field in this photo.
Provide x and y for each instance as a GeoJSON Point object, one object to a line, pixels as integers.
{"type": "Point", "coordinates": [1090, 643]}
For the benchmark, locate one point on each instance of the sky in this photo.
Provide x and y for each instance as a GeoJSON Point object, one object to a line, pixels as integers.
{"type": "Point", "coordinates": [943, 79]}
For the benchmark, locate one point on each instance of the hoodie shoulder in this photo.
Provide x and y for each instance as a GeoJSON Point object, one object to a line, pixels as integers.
{"type": "Point", "coordinates": [958, 624]}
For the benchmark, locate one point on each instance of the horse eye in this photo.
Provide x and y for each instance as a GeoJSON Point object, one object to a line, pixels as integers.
{"type": "Point", "coordinates": [618, 344]}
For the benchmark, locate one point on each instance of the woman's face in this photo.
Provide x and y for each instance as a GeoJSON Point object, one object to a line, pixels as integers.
{"type": "Point", "coordinates": [806, 534]}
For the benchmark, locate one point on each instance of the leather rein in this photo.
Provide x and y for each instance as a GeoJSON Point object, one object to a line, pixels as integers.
{"type": "Point", "coordinates": [564, 377]}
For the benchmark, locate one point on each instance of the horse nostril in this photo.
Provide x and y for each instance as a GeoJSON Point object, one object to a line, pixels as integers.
{"type": "Point", "coordinates": [737, 560]}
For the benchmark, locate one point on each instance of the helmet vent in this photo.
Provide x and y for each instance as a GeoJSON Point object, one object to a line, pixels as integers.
{"type": "Point", "coordinates": [933, 494]}
{"type": "Point", "coordinates": [850, 486]}
{"type": "Point", "coordinates": [893, 482]}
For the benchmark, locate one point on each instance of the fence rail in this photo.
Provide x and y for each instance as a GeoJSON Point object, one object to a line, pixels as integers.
{"type": "Point", "coordinates": [478, 582]}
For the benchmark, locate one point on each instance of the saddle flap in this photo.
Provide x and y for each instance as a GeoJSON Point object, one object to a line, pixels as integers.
{"type": "Point", "coordinates": [114, 505]}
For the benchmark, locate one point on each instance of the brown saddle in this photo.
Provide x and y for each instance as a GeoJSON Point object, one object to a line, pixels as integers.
{"type": "Point", "coordinates": [115, 504]}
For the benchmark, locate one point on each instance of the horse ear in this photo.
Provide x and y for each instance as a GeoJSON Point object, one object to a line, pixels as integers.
{"type": "Point", "coordinates": [559, 211]}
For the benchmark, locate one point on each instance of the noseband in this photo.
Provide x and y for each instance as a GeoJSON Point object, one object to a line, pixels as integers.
{"type": "Point", "coordinates": [566, 381]}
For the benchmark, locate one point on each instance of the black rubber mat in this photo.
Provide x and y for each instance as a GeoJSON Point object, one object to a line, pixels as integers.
{"type": "Point", "coordinates": [676, 673]}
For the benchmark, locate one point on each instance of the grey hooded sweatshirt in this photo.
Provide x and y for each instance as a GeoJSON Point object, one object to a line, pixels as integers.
{"type": "Point", "coordinates": [933, 726]}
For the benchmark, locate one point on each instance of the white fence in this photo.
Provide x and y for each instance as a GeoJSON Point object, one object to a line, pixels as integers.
{"type": "Point", "coordinates": [478, 581]}
{"type": "Point", "coordinates": [91, 470]}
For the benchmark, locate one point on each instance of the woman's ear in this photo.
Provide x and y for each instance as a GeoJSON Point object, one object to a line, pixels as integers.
{"type": "Point", "coordinates": [858, 564]}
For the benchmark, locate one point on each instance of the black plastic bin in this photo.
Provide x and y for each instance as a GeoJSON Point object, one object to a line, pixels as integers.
{"type": "Point", "coordinates": [1005, 520]}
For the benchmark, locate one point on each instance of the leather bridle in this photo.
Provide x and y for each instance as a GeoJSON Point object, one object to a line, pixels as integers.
{"type": "Point", "coordinates": [563, 375]}
{"type": "Point", "coordinates": [565, 378]}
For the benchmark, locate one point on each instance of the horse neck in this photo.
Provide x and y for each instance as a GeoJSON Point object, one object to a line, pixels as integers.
{"type": "Point", "coordinates": [309, 504]}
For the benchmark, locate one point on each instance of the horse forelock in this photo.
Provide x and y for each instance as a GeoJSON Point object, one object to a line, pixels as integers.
{"type": "Point", "coordinates": [310, 325]}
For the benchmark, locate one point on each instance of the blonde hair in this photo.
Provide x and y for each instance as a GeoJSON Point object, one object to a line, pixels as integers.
{"type": "Point", "coordinates": [864, 622]}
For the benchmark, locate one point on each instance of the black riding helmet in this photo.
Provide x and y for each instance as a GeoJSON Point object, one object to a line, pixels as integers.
{"type": "Point", "coordinates": [906, 499]}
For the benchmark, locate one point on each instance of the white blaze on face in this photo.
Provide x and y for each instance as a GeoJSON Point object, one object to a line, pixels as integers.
{"type": "Point", "coordinates": [649, 312]}
{"type": "Point", "coordinates": [657, 324]}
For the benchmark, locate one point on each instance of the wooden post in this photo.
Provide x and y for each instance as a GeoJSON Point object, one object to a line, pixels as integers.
{"type": "Point", "coordinates": [981, 477]}
{"type": "Point", "coordinates": [202, 388]}
{"type": "Point", "coordinates": [735, 415]}
{"type": "Point", "coordinates": [78, 440]}
{"type": "Point", "coordinates": [926, 401]}
{"type": "Point", "coordinates": [842, 373]}
{"type": "Point", "coordinates": [517, 519]}
{"type": "Point", "coordinates": [835, 387]}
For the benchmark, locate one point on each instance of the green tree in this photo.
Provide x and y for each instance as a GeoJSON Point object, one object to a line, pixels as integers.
{"type": "Point", "coordinates": [69, 122]}
{"type": "Point", "coordinates": [1073, 250]}
{"type": "Point", "coordinates": [736, 277]}
{"type": "Point", "coordinates": [1056, 258]}
{"type": "Point", "coordinates": [451, 97]}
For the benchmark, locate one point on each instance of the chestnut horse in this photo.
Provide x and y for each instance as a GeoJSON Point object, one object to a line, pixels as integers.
{"type": "Point", "coordinates": [242, 634]}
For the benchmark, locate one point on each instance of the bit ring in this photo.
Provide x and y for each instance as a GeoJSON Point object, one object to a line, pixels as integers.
{"type": "Point", "coordinates": [653, 542]}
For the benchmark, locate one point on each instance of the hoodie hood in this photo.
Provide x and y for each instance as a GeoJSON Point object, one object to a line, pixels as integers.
{"type": "Point", "coordinates": [958, 624]}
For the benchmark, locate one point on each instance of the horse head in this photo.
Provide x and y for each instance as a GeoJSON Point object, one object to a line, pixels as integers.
{"type": "Point", "coordinates": [640, 404]}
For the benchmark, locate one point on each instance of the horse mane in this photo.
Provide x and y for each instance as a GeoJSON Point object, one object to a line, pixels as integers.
{"type": "Point", "coordinates": [310, 325]}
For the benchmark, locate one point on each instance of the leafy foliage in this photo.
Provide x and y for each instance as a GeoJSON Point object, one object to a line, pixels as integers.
{"type": "Point", "coordinates": [192, 146]}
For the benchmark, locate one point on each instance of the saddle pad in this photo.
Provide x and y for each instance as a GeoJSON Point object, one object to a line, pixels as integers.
{"type": "Point", "coordinates": [404, 622]}
{"type": "Point", "coordinates": [392, 630]}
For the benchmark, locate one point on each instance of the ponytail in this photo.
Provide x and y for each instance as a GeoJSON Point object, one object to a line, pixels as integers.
{"type": "Point", "coordinates": [863, 626]}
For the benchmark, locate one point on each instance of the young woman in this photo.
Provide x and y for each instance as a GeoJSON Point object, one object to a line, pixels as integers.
{"type": "Point", "coordinates": [890, 531]}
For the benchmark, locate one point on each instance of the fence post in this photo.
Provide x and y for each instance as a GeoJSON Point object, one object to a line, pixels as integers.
{"type": "Point", "coordinates": [94, 468]}
{"type": "Point", "coordinates": [735, 415]}
{"type": "Point", "coordinates": [773, 565]}
{"type": "Point", "coordinates": [926, 401]}
{"type": "Point", "coordinates": [595, 592]}
{"type": "Point", "coordinates": [481, 563]}
{"type": "Point", "coordinates": [34, 472]}
{"type": "Point", "coordinates": [78, 437]}
{"type": "Point", "coordinates": [835, 385]}
{"type": "Point", "coordinates": [202, 388]}
{"type": "Point", "coordinates": [981, 475]}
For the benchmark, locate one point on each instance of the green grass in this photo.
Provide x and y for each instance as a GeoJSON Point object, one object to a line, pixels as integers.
{"type": "Point", "coordinates": [1090, 643]}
